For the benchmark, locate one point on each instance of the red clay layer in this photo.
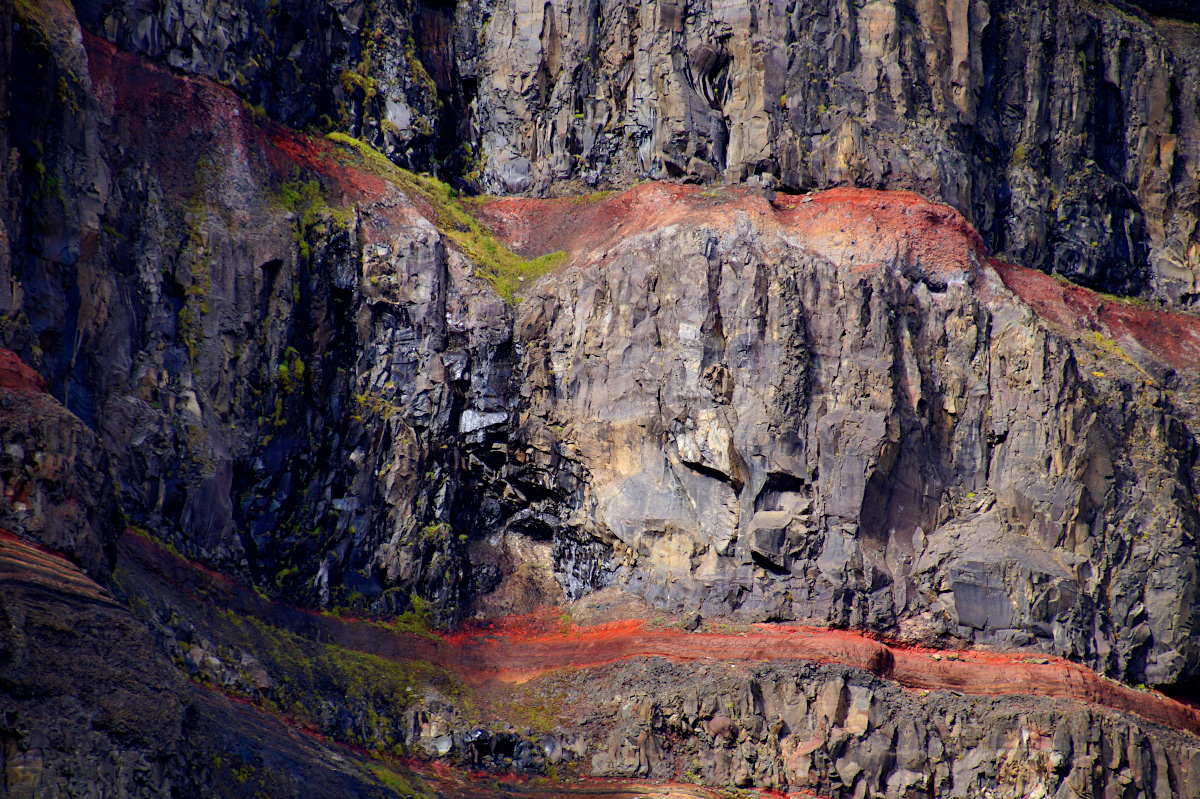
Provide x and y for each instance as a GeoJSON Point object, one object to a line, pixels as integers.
{"type": "Point", "coordinates": [1172, 338]}
{"type": "Point", "coordinates": [14, 374]}
{"type": "Point", "coordinates": [857, 228]}
{"type": "Point", "coordinates": [185, 120]}
{"type": "Point", "coordinates": [513, 657]}
{"type": "Point", "coordinates": [522, 648]}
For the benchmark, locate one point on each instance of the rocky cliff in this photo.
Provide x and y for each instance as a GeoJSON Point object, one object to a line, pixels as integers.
{"type": "Point", "coordinates": [1065, 132]}
{"type": "Point", "coordinates": [814, 374]}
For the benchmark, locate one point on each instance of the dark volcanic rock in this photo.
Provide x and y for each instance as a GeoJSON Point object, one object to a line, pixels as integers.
{"type": "Point", "coordinates": [89, 706]}
{"type": "Point", "coordinates": [1067, 133]}
{"type": "Point", "coordinates": [835, 410]}
{"type": "Point", "coordinates": [268, 350]}
{"type": "Point", "coordinates": [830, 409]}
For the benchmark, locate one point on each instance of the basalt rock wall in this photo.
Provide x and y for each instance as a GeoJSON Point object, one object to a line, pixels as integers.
{"type": "Point", "coordinates": [265, 349]}
{"type": "Point", "coordinates": [263, 345]}
{"type": "Point", "coordinates": [1066, 132]}
{"type": "Point", "coordinates": [831, 409]}
{"type": "Point", "coordinates": [836, 410]}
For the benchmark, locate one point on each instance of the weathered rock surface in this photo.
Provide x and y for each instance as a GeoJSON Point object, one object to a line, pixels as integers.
{"type": "Point", "coordinates": [729, 707]}
{"type": "Point", "coordinates": [1067, 133]}
{"type": "Point", "coordinates": [272, 345]}
{"type": "Point", "coordinates": [835, 410]}
{"type": "Point", "coordinates": [55, 476]}
{"type": "Point", "coordinates": [263, 348]}
{"type": "Point", "coordinates": [841, 733]}
{"type": "Point", "coordinates": [90, 707]}
{"type": "Point", "coordinates": [830, 410]}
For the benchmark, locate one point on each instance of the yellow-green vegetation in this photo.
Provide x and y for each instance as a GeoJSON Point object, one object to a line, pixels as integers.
{"type": "Point", "coordinates": [358, 77]}
{"type": "Point", "coordinates": [400, 785]}
{"type": "Point", "coordinates": [536, 704]}
{"type": "Point", "coordinates": [594, 197]}
{"type": "Point", "coordinates": [504, 270]}
{"type": "Point", "coordinates": [308, 674]}
{"type": "Point", "coordinates": [418, 621]}
{"type": "Point", "coordinates": [33, 13]}
{"type": "Point", "coordinates": [1111, 348]}
{"type": "Point", "coordinates": [290, 372]}
{"type": "Point", "coordinates": [375, 403]}
{"type": "Point", "coordinates": [195, 306]}
{"type": "Point", "coordinates": [305, 199]}
{"type": "Point", "coordinates": [253, 780]}
{"type": "Point", "coordinates": [417, 70]}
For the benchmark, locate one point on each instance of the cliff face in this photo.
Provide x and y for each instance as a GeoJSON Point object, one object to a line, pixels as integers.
{"type": "Point", "coordinates": [1065, 132]}
{"type": "Point", "coordinates": [330, 380]}
{"type": "Point", "coordinates": [834, 409]}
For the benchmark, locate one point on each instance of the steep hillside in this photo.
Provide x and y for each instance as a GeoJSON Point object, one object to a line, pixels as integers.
{"type": "Point", "coordinates": [778, 463]}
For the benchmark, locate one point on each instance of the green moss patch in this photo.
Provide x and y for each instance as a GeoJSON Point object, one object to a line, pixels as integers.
{"type": "Point", "coordinates": [506, 271]}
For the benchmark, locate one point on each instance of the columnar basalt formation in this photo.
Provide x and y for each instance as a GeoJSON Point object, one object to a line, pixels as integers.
{"type": "Point", "coordinates": [1067, 133]}
{"type": "Point", "coordinates": [834, 409]}
{"type": "Point", "coordinates": [831, 487]}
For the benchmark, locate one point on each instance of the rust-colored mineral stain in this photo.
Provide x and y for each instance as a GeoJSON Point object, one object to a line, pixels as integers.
{"type": "Point", "coordinates": [1172, 338]}
{"type": "Point", "coordinates": [16, 376]}
{"type": "Point", "coordinates": [515, 657]}
{"type": "Point", "coordinates": [860, 228]}
{"type": "Point", "coordinates": [517, 649]}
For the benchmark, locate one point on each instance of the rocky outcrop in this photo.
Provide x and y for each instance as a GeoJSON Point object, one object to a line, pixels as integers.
{"type": "Point", "coordinates": [55, 476]}
{"type": "Point", "coordinates": [257, 306]}
{"type": "Point", "coordinates": [381, 70]}
{"type": "Point", "coordinates": [318, 375]}
{"type": "Point", "coordinates": [1065, 133]}
{"type": "Point", "coordinates": [735, 706]}
{"type": "Point", "coordinates": [829, 409]}
{"type": "Point", "coordinates": [840, 734]}
{"type": "Point", "coordinates": [834, 409]}
{"type": "Point", "coordinates": [89, 706]}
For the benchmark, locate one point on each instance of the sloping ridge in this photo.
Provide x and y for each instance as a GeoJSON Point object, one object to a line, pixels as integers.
{"type": "Point", "coordinates": [514, 650]}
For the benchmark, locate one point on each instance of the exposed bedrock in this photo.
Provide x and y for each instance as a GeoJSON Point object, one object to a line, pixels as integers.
{"type": "Point", "coordinates": [832, 409]}
{"type": "Point", "coordinates": [260, 342]}
{"type": "Point", "coordinates": [835, 410]}
{"type": "Point", "coordinates": [1067, 132]}
{"type": "Point", "coordinates": [842, 733]}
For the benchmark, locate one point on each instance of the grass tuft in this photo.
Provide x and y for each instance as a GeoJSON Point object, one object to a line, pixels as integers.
{"type": "Point", "coordinates": [506, 271]}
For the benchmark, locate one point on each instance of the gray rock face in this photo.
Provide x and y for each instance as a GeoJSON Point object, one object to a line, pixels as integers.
{"type": "Point", "coordinates": [268, 355]}
{"type": "Point", "coordinates": [835, 732]}
{"type": "Point", "coordinates": [274, 369]}
{"type": "Point", "coordinates": [1069, 135]}
{"type": "Point", "coordinates": [829, 410]}
{"type": "Point", "coordinates": [379, 70]}
{"type": "Point", "coordinates": [776, 421]}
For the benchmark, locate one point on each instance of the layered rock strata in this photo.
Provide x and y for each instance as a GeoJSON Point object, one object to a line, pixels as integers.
{"type": "Point", "coordinates": [829, 409]}
{"type": "Point", "coordinates": [268, 350]}
{"type": "Point", "coordinates": [1065, 132]}
{"type": "Point", "coordinates": [835, 409]}
{"type": "Point", "coordinates": [775, 708]}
